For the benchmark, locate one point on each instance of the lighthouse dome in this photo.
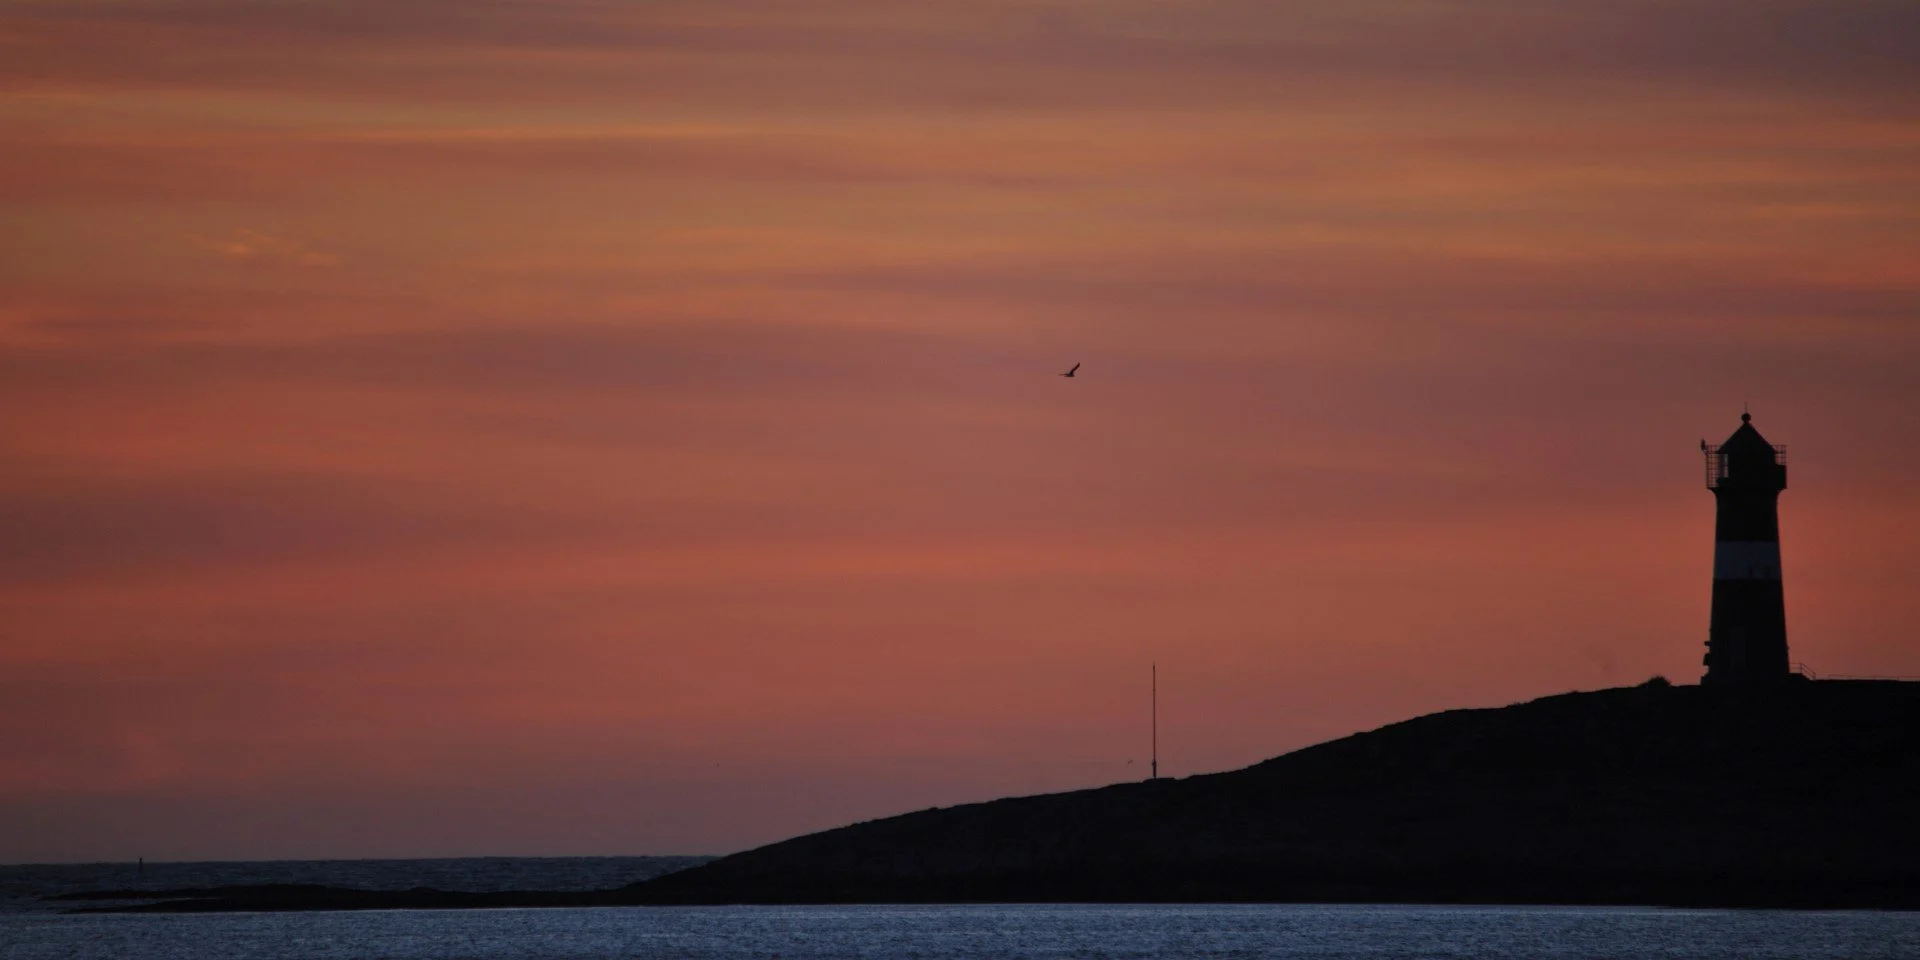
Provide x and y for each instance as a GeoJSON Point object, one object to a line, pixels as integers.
{"type": "Point", "coordinates": [1746, 438]}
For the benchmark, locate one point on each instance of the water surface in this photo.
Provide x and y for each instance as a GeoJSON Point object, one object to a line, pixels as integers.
{"type": "Point", "coordinates": [955, 932]}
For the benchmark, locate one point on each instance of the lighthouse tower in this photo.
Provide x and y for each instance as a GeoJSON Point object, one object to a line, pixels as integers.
{"type": "Point", "coordinates": [1747, 641]}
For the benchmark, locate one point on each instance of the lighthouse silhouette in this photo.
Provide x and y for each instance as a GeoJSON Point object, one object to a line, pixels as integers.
{"type": "Point", "coordinates": [1747, 640]}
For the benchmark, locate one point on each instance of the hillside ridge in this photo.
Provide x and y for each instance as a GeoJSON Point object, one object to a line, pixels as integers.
{"type": "Point", "coordinates": [1796, 794]}
{"type": "Point", "coordinates": [1793, 795]}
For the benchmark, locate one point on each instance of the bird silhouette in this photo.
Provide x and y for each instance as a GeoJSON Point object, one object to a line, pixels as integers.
{"type": "Point", "coordinates": [1069, 373]}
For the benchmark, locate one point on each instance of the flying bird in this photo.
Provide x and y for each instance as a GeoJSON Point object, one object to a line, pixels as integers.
{"type": "Point", "coordinates": [1069, 373]}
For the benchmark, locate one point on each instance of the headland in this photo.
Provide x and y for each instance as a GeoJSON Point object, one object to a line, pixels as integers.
{"type": "Point", "coordinates": [1794, 794]}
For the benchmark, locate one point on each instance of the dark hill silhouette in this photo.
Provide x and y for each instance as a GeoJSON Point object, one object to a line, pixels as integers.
{"type": "Point", "coordinates": [1798, 794]}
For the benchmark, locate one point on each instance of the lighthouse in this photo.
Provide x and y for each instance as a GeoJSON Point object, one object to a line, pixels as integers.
{"type": "Point", "coordinates": [1747, 639]}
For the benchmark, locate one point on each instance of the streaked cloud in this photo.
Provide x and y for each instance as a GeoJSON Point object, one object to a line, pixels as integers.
{"type": "Point", "coordinates": [257, 247]}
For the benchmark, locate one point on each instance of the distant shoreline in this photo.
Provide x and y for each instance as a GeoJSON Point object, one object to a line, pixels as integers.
{"type": "Point", "coordinates": [279, 899]}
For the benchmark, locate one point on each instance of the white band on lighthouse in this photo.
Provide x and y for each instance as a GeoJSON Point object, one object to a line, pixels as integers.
{"type": "Point", "coordinates": [1746, 560]}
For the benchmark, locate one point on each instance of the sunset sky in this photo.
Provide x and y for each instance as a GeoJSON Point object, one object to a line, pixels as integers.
{"type": "Point", "coordinates": [462, 427]}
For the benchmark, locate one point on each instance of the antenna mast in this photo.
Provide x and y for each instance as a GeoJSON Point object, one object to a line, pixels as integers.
{"type": "Point", "coordinates": [1153, 768]}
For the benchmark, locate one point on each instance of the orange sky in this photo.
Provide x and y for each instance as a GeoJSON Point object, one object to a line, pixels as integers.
{"type": "Point", "coordinates": [482, 427]}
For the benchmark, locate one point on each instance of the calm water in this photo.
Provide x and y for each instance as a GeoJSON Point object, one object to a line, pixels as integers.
{"type": "Point", "coordinates": [34, 928]}
{"type": "Point", "coordinates": [935, 933]}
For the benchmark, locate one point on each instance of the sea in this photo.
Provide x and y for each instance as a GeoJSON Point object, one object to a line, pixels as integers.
{"type": "Point", "coordinates": [34, 927]}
